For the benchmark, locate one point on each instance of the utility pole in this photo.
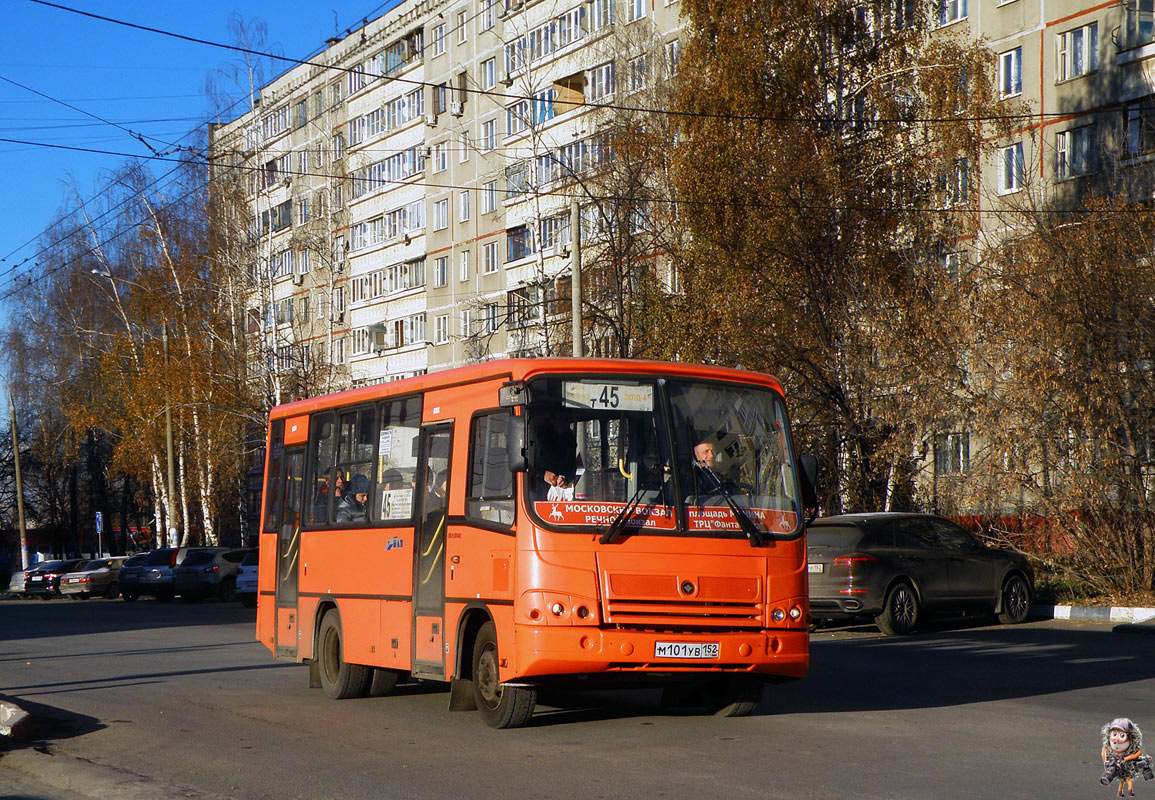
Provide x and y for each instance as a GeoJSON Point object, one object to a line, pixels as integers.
{"type": "Point", "coordinates": [575, 235]}
{"type": "Point", "coordinates": [19, 487]}
{"type": "Point", "coordinates": [172, 529]}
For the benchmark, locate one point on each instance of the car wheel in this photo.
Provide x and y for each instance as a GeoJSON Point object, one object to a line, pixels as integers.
{"type": "Point", "coordinates": [900, 613]}
{"type": "Point", "coordinates": [130, 596]}
{"type": "Point", "coordinates": [500, 706]}
{"type": "Point", "coordinates": [736, 696]}
{"type": "Point", "coordinates": [228, 590]}
{"type": "Point", "coordinates": [339, 679]}
{"type": "Point", "coordinates": [112, 591]}
{"type": "Point", "coordinates": [1016, 601]}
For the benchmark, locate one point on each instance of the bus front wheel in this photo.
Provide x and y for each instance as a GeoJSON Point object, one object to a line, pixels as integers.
{"type": "Point", "coordinates": [339, 679]}
{"type": "Point", "coordinates": [500, 706]}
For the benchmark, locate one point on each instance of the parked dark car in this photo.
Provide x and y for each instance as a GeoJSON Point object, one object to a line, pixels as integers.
{"type": "Point", "coordinates": [208, 572]}
{"type": "Point", "coordinates": [247, 578]}
{"type": "Point", "coordinates": [129, 577]}
{"type": "Point", "coordinates": [44, 580]}
{"type": "Point", "coordinates": [156, 579]}
{"type": "Point", "coordinates": [895, 567]}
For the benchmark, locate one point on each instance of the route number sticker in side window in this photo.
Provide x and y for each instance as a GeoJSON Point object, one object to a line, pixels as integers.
{"type": "Point", "coordinates": [609, 396]}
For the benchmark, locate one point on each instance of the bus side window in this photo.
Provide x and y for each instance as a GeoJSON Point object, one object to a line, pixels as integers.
{"type": "Point", "coordinates": [397, 436]}
{"type": "Point", "coordinates": [356, 452]}
{"type": "Point", "coordinates": [273, 491]}
{"type": "Point", "coordinates": [321, 452]}
{"type": "Point", "coordinates": [490, 496]}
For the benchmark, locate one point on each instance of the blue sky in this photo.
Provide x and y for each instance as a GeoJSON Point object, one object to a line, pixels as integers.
{"type": "Point", "coordinates": [149, 84]}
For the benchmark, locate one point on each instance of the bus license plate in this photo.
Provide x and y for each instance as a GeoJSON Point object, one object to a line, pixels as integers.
{"type": "Point", "coordinates": [815, 567]}
{"type": "Point", "coordinates": [700, 650]}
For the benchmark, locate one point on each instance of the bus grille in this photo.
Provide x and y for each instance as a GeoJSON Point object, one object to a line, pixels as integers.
{"type": "Point", "coordinates": [676, 615]}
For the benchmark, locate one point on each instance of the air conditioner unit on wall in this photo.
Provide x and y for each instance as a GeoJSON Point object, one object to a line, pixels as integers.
{"type": "Point", "coordinates": [431, 120]}
{"type": "Point", "coordinates": [298, 279]}
{"type": "Point", "coordinates": [507, 79]}
{"type": "Point", "coordinates": [456, 108]}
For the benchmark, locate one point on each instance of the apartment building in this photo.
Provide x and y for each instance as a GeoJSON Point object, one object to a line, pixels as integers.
{"type": "Point", "coordinates": [410, 188]}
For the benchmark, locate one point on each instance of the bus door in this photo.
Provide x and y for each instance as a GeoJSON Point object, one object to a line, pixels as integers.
{"type": "Point", "coordinates": [429, 556]}
{"type": "Point", "coordinates": [288, 555]}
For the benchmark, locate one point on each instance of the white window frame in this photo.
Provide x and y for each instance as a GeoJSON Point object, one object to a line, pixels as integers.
{"type": "Point", "coordinates": [1011, 73]}
{"type": "Point", "coordinates": [441, 329]}
{"type": "Point", "coordinates": [488, 135]}
{"type": "Point", "coordinates": [1074, 152]}
{"type": "Point", "coordinates": [440, 271]}
{"type": "Point", "coordinates": [438, 39]}
{"type": "Point", "coordinates": [492, 260]}
{"type": "Point", "coordinates": [489, 73]}
{"type": "Point", "coordinates": [464, 266]}
{"type": "Point", "coordinates": [951, 11]}
{"type": "Point", "coordinates": [463, 205]}
{"type": "Point", "coordinates": [462, 26]}
{"type": "Point", "coordinates": [489, 197]}
{"type": "Point", "coordinates": [635, 10]}
{"type": "Point", "coordinates": [1077, 52]}
{"type": "Point", "coordinates": [1012, 168]}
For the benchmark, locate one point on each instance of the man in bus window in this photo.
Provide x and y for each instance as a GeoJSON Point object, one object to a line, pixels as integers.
{"type": "Point", "coordinates": [351, 507]}
{"type": "Point", "coordinates": [555, 457]}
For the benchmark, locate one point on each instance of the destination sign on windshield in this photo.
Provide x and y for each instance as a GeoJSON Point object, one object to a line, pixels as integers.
{"type": "Point", "coordinates": [609, 396]}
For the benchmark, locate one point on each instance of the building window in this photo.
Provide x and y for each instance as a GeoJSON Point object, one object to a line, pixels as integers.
{"type": "Point", "coordinates": [601, 14]}
{"type": "Point", "coordinates": [339, 350]}
{"type": "Point", "coordinates": [441, 329]}
{"type": "Point", "coordinates": [440, 214]}
{"type": "Point", "coordinates": [1011, 73]}
{"type": "Point", "coordinates": [1074, 153]}
{"type": "Point", "coordinates": [952, 453]}
{"type": "Point", "coordinates": [635, 10]}
{"type": "Point", "coordinates": [673, 55]}
{"type": "Point", "coordinates": [464, 144]}
{"type": "Point", "coordinates": [1141, 126]}
{"type": "Point", "coordinates": [488, 135]}
{"type": "Point", "coordinates": [601, 81]}
{"type": "Point", "coordinates": [639, 73]}
{"type": "Point", "coordinates": [517, 118]}
{"type": "Point", "coordinates": [464, 267]}
{"type": "Point", "coordinates": [1011, 168]}
{"type": "Point", "coordinates": [462, 26]}
{"type": "Point", "coordinates": [491, 317]}
{"type": "Point", "coordinates": [1140, 22]}
{"type": "Point", "coordinates": [951, 263]}
{"type": "Point", "coordinates": [487, 14]}
{"type": "Point", "coordinates": [440, 157]}
{"type": "Point", "coordinates": [491, 261]}
{"type": "Point", "coordinates": [951, 11]}
{"type": "Point", "coordinates": [440, 271]}
{"type": "Point", "coordinates": [463, 206]}
{"type": "Point", "coordinates": [954, 182]}
{"type": "Point", "coordinates": [1077, 52]}
{"type": "Point", "coordinates": [489, 73]}
{"type": "Point", "coordinates": [519, 243]}
{"type": "Point", "coordinates": [438, 40]}
{"type": "Point", "coordinates": [489, 197]}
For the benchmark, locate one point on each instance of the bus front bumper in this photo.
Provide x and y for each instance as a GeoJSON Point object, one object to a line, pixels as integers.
{"type": "Point", "coordinates": [550, 650]}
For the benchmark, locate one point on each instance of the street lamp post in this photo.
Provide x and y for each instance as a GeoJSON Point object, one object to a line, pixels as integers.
{"type": "Point", "coordinates": [19, 487]}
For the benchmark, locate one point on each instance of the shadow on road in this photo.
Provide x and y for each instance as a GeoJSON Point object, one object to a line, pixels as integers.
{"type": "Point", "coordinates": [37, 619]}
{"type": "Point", "coordinates": [51, 724]}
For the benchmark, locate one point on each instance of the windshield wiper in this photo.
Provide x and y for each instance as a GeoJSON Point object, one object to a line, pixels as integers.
{"type": "Point", "coordinates": [618, 523]}
{"type": "Point", "coordinates": [744, 522]}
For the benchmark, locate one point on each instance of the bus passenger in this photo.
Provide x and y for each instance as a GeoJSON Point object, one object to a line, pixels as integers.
{"type": "Point", "coordinates": [352, 506]}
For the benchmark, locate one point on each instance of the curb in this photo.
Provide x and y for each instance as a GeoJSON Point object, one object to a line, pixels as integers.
{"type": "Point", "coordinates": [86, 779]}
{"type": "Point", "coordinates": [1129, 620]}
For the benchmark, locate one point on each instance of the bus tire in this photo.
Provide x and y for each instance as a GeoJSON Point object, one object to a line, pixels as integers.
{"type": "Point", "coordinates": [383, 682]}
{"type": "Point", "coordinates": [736, 696]}
{"type": "Point", "coordinates": [339, 679]}
{"type": "Point", "coordinates": [500, 706]}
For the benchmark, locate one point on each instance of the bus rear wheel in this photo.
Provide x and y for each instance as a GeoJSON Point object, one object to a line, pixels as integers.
{"type": "Point", "coordinates": [735, 696]}
{"type": "Point", "coordinates": [500, 706]}
{"type": "Point", "coordinates": [339, 679]}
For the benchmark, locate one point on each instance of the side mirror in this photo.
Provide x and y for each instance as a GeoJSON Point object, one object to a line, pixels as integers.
{"type": "Point", "coordinates": [515, 443]}
{"type": "Point", "coordinates": [809, 473]}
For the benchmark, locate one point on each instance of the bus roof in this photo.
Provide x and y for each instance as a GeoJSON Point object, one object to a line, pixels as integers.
{"type": "Point", "coordinates": [516, 369]}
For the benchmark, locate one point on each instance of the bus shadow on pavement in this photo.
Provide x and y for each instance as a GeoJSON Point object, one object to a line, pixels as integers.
{"type": "Point", "coordinates": [944, 667]}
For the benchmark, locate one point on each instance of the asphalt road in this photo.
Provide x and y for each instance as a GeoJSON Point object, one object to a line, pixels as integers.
{"type": "Point", "coordinates": [183, 695]}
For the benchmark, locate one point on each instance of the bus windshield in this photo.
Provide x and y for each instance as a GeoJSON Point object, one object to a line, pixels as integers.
{"type": "Point", "coordinates": [663, 456]}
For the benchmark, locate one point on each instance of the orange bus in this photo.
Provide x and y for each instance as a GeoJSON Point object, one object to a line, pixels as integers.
{"type": "Point", "coordinates": [526, 523]}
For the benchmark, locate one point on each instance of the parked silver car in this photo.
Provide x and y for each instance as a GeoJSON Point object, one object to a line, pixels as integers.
{"type": "Point", "coordinates": [247, 579]}
{"type": "Point", "coordinates": [98, 577]}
